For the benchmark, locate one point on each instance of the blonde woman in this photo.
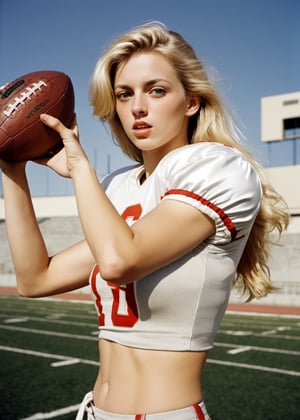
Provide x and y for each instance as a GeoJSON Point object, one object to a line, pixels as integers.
{"type": "Point", "coordinates": [165, 239]}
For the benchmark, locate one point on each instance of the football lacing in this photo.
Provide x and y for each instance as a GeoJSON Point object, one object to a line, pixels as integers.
{"type": "Point", "coordinates": [24, 95]}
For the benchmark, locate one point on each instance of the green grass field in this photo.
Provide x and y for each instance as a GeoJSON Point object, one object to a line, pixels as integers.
{"type": "Point", "coordinates": [49, 361]}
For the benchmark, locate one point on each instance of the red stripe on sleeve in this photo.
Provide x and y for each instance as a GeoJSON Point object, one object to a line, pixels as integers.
{"type": "Point", "coordinates": [223, 216]}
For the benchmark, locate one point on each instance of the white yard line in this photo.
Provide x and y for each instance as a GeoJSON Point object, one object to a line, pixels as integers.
{"type": "Point", "coordinates": [255, 367]}
{"type": "Point", "coordinates": [47, 332]}
{"type": "Point", "coordinates": [257, 348]}
{"type": "Point", "coordinates": [66, 362]}
{"type": "Point", "coordinates": [263, 314]}
{"type": "Point", "coordinates": [239, 349]}
{"type": "Point", "coordinates": [53, 414]}
{"type": "Point", "coordinates": [267, 334]}
{"type": "Point", "coordinates": [50, 318]}
{"type": "Point", "coordinates": [48, 355]}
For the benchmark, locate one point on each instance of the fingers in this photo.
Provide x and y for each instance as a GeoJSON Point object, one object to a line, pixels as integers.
{"type": "Point", "coordinates": [58, 126]}
{"type": "Point", "coordinates": [53, 123]}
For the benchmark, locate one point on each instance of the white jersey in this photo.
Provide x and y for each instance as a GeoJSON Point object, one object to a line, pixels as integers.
{"type": "Point", "coordinates": [180, 306]}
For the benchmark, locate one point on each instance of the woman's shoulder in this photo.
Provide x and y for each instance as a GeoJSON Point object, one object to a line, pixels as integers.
{"type": "Point", "coordinates": [219, 181]}
{"type": "Point", "coordinates": [201, 150]}
{"type": "Point", "coordinates": [210, 169]}
{"type": "Point", "coordinates": [212, 156]}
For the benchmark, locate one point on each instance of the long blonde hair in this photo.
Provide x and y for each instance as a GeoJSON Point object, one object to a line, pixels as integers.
{"type": "Point", "coordinates": [211, 123]}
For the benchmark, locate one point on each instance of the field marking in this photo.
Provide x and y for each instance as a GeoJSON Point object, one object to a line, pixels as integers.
{"type": "Point", "coordinates": [267, 334]}
{"type": "Point", "coordinates": [53, 414]}
{"type": "Point", "coordinates": [16, 320]}
{"type": "Point", "coordinates": [284, 328]}
{"type": "Point", "coordinates": [48, 319]}
{"type": "Point", "coordinates": [238, 333]}
{"type": "Point", "coordinates": [47, 355]}
{"type": "Point", "coordinates": [65, 362]}
{"type": "Point", "coordinates": [53, 317]}
{"type": "Point", "coordinates": [263, 314]}
{"type": "Point", "coordinates": [47, 332]}
{"type": "Point", "coordinates": [283, 337]}
{"type": "Point", "coordinates": [258, 348]}
{"type": "Point", "coordinates": [261, 327]}
{"type": "Point", "coordinates": [239, 349]}
{"type": "Point", "coordinates": [254, 367]}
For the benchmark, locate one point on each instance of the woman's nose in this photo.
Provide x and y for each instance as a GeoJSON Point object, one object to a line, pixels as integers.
{"type": "Point", "coordinates": [139, 106]}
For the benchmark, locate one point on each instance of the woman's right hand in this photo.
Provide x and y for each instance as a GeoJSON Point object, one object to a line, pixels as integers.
{"type": "Point", "coordinates": [58, 163]}
{"type": "Point", "coordinates": [72, 154]}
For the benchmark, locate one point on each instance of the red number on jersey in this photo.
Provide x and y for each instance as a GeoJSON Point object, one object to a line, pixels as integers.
{"type": "Point", "coordinates": [124, 301]}
{"type": "Point", "coordinates": [124, 311]}
{"type": "Point", "coordinates": [132, 212]}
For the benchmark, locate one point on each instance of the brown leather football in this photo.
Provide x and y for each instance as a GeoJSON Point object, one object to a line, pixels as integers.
{"type": "Point", "coordinates": [22, 135]}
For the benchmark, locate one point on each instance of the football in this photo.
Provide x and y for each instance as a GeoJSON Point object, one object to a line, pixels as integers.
{"type": "Point", "coordinates": [22, 135]}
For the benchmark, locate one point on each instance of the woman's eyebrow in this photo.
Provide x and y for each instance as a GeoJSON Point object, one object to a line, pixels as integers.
{"type": "Point", "coordinates": [148, 83]}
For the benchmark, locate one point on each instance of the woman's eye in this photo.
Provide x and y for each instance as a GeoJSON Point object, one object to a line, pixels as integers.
{"type": "Point", "coordinates": [157, 91]}
{"type": "Point", "coordinates": [123, 95]}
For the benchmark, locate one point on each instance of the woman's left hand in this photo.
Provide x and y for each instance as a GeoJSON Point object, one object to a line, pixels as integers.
{"type": "Point", "coordinates": [72, 154]}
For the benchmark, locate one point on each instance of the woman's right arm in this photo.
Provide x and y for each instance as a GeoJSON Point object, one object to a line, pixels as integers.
{"type": "Point", "coordinates": [36, 273]}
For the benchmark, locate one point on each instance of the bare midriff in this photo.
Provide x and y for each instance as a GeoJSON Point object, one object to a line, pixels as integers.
{"type": "Point", "coordinates": [135, 380]}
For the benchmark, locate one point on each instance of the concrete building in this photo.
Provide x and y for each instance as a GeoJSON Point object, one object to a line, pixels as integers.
{"type": "Point", "coordinates": [280, 117]}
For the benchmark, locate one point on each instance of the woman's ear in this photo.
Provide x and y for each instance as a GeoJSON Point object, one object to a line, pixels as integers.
{"type": "Point", "coordinates": [193, 105]}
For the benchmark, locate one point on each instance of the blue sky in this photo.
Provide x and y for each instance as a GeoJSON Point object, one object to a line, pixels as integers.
{"type": "Point", "coordinates": [250, 47]}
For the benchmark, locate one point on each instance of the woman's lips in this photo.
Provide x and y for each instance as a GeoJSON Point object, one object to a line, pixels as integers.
{"type": "Point", "coordinates": [141, 129]}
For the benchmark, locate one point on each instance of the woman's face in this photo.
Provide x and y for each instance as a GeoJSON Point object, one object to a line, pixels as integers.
{"type": "Point", "coordinates": [151, 103]}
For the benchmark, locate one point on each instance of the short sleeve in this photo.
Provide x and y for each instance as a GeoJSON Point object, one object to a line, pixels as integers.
{"type": "Point", "coordinates": [217, 180]}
